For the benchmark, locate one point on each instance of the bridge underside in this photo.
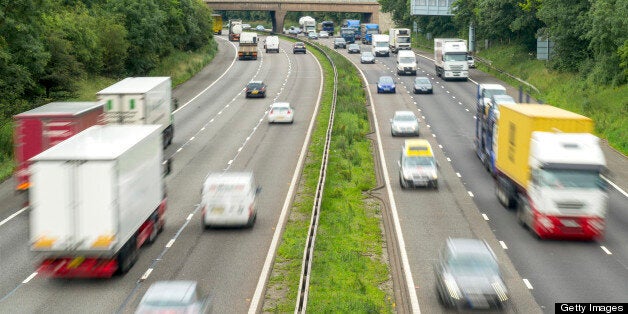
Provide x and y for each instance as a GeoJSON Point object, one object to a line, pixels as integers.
{"type": "Point", "coordinates": [370, 10]}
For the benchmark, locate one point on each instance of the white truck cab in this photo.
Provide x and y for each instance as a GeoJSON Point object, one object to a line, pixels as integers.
{"type": "Point", "coordinates": [228, 199]}
{"type": "Point", "coordinates": [406, 62]}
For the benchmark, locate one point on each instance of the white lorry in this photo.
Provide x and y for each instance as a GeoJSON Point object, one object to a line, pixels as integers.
{"type": "Point", "coordinates": [399, 39]}
{"type": "Point", "coordinates": [96, 198]}
{"type": "Point", "coordinates": [450, 58]}
{"type": "Point", "coordinates": [140, 100]}
{"type": "Point", "coordinates": [406, 62]}
{"type": "Point", "coordinates": [271, 43]}
{"type": "Point", "coordinates": [381, 45]}
{"type": "Point", "coordinates": [307, 24]}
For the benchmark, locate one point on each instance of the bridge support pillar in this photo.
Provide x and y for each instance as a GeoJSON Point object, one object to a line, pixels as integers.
{"type": "Point", "coordinates": [277, 17]}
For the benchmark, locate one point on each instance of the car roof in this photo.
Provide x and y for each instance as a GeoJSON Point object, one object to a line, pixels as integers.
{"type": "Point", "coordinates": [256, 82]}
{"type": "Point", "coordinates": [339, 39]}
{"type": "Point", "coordinates": [386, 77]}
{"type": "Point", "coordinates": [477, 247]}
{"type": "Point", "coordinates": [418, 148]}
{"type": "Point", "coordinates": [178, 291]}
{"type": "Point", "coordinates": [404, 113]}
{"type": "Point", "coordinates": [281, 104]}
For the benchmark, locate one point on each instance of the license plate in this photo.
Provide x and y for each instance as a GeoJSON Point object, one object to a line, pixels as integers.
{"type": "Point", "coordinates": [279, 118]}
{"type": "Point", "coordinates": [569, 223]}
{"type": "Point", "coordinates": [218, 210]}
{"type": "Point", "coordinates": [76, 262]}
{"type": "Point", "coordinates": [254, 92]}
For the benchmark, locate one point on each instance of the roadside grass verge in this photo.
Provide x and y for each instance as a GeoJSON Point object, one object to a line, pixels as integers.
{"type": "Point", "coordinates": [181, 66]}
{"type": "Point", "coordinates": [349, 270]}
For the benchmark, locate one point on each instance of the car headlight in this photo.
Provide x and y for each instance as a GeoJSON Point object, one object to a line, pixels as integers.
{"type": "Point", "coordinates": [500, 290]}
{"type": "Point", "coordinates": [434, 175]}
{"type": "Point", "coordinates": [452, 287]}
{"type": "Point", "coordinates": [407, 174]}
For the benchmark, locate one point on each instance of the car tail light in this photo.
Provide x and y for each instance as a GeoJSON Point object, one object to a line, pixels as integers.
{"type": "Point", "coordinates": [271, 111]}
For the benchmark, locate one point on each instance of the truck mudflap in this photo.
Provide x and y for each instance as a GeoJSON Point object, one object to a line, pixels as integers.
{"type": "Point", "coordinates": [562, 227]}
{"type": "Point", "coordinates": [78, 267]}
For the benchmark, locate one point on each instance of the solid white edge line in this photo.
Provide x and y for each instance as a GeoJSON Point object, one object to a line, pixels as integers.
{"type": "Point", "coordinates": [485, 217]}
{"type": "Point", "coordinates": [527, 283]}
{"type": "Point", "coordinates": [214, 82]}
{"type": "Point", "coordinates": [503, 244]}
{"type": "Point", "coordinates": [414, 301]}
{"type": "Point", "coordinates": [606, 250]}
{"type": "Point", "coordinates": [615, 186]}
{"type": "Point", "coordinates": [13, 215]}
{"type": "Point", "coordinates": [29, 278]}
{"type": "Point", "coordinates": [270, 256]}
{"type": "Point", "coordinates": [170, 243]}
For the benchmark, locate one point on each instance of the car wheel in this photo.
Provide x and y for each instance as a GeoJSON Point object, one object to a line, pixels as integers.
{"type": "Point", "coordinates": [416, 91]}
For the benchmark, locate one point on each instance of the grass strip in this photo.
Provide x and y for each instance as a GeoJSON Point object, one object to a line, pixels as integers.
{"type": "Point", "coordinates": [349, 270]}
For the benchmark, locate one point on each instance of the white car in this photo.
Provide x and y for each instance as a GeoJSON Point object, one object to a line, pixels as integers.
{"type": "Point", "coordinates": [404, 123]}
{"type": "Point", "coordinates": [323, 34]}
{"type": "Point", "coordinates": [281, 112]}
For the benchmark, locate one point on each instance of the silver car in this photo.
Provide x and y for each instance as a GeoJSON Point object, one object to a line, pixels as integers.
{"type": "Point", "coordinates": [353, 48]}
{"type": "Point", "coordinates": [174, 297]}
{"type": "Point", "coordinates": [367, 57]}
{"type": "Point", "coordinates": [404, 123]}
{"type": "Point", "coordinates": [423, 85]}
{"type": "Point", "coordinates": [468, 276]}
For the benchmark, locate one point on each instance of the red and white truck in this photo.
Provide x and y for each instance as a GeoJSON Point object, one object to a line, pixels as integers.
{"type": "Point", "coordinates": [43, 127]}
{"type": "Point", "coordinates": [549, 167]}
{"type": "Point", "coordinates": [95, 199]}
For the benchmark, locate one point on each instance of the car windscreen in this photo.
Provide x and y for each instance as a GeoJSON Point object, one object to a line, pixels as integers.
{"type": "Point", "coordinates": [405, 118]}
{"type": "Point", "coordinates": [418, 161]}
{"type": "Point", "coordinates": [407, 60]}
{"type": "Point", "coordinates": [255, 85]}
{"type": "Point", "coordinates": [385, 80]}
{"type": "Point", "coordinates": [422, 81]}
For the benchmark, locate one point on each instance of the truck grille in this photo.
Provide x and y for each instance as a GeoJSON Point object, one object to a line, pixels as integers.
{"type": "Point", "coordinates": [456, 67]}
{"type": "Point", "coordinates": [570, 205]}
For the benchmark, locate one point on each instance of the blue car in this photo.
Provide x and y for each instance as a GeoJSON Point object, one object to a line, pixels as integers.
{"type": "Point", "coordinates": [386, 84]}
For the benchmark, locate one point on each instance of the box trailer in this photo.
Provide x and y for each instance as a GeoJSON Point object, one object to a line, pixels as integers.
{"type": "Point", "coordinates": [43, 127]}
{"type": "Point", "coordinates": [95, 199]}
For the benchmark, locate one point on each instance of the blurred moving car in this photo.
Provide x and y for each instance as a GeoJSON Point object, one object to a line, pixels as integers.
{"type": "Point", "coordinates": [174, 297]}
{"type": "Point", "coordinates": [312, 35]}
{"type": "Point", "coordinates": [423, 84]}
{"type": "Point", "coordinates": [367, 57]}
{"type": "Point", "coordinates": [298, 47]}
{"type": "Point", "coordinates": [404, 123]}
{"type": "Point", "coordinates": [353, 48]}
{"type": "Point", "coordinates": [471, 61]}
{"type": "Point", "coordinates": [386, 84]}
{"type": "Point", "coordinates": [255, 89]}
{"type": "Point", "coordinates": [323, 34]}
{"type": "Point", "coordinates": [260, 28]}
{"type": "Point", "coordinates": [228, 199]}
{"type": "Point", "coordinates": [417, 166]}
{"type": "Point", "coordinates": [246, 26]}
{"type": "Point", "coordinates": [340, 43]}
{"type": "Point", "coordinates": [294, 30]}
{"type": "Point", "coordinates": [468, 276]}
{"type": "Point", "coordinates": [281, 112]}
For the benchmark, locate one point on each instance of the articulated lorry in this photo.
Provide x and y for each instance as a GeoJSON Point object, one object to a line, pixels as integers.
{"type": "Point", "coordinates": [450, 58]}
{"type": "Point", "coordinates": [217, 24]}
{"type": "Point", "coordinates": [348, 34]}
{"type": "Point", "coordinates": [235, 29]}
{"type": "Point", "coordinates": [140, 100]}
{"type": "Point", "coordinates": [96, 198]}
{"type": "Point", "coordinates": [549, 167]}
{"type": "Point", "coordinates": [328, 26]}
{"type": "Point", "coordinates": [247, 49]}
{"type": "Point", "coordinates": [400, 39]}
{"type": "Point", "coordinates": [367, 31]}
{"type": "Point", "coordinates": [43, 127]}
{"type": "Point", "coordinates": [487, 114]}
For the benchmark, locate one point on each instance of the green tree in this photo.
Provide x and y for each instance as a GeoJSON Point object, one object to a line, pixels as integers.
{"type": "Point", "coordinates": [63, 69]}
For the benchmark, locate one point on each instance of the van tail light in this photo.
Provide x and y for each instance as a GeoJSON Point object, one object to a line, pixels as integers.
{"type": "Point", "coordinates": [271, 111]}
{"type": "Point", "coordinates": [289, 111]}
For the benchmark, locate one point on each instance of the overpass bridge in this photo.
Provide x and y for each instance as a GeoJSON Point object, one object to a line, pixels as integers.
{"type": "Point", "coordinates": [278, 8]}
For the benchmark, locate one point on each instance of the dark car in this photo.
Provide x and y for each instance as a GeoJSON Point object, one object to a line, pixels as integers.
{"type": "Point", "coordinates": [423, 85]}
{"type": "Point", "coordinates": [255, 89]}
{"type": "Point", "coordinates": [468, 276]}
{"type": "Point", "coordinates": [298, 47]}
{"type": "Point", "coordinates": [174, 297]}
{"type": "Point", "coordinates": [353, 48]}
{"type": "Point", "coordinates": [367, 57]}
{"type": "Point", "coordinates": [386, 84]}
{"type": "Point", "coordinates": [340, 43]}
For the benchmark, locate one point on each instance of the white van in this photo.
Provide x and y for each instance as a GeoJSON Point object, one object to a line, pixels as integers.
{"type": "Point", "coordinates": [228, 199]}
{"type": "Point", "coordinates": [271, 44]}
{"type": "Point", "coordinates": [406, 62]}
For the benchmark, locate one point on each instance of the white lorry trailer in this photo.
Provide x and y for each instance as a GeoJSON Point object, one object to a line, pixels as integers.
{"type": "Point", "coordinates": [140, 100]}
{"type": "Point", "coordinates": [399, 39]}
{"type": "Point", "coordinates": [450, 58]}
{"type": "Point", "coordinates": [95, 199]}
{"type": "Point", "coordinates": [381, 45]}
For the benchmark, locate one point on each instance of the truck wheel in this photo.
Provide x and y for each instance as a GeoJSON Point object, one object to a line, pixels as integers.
{"type": "Point", "coordinates": [155, 231]}
{"type": "Point", "coordinates": [127, 256]}
{"type": "Point", "coordinates": [251, 221]}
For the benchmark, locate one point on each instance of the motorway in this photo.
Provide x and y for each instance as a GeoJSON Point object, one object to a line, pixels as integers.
{"type": "Point", "coordinates": [553, 271]}
{"type": "Point", "coordinates": [216, 129]}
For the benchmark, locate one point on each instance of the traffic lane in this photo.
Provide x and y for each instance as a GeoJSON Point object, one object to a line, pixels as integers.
{"type": "Point", "coordinates": [228, 262]}
{"type": "Point", "coordinates": [174, 219]}
{"type": "Point", "coordinates": [428, 217]}
{"type": "Point", "coordinates": [16, 260]}
{"type": "Point", "coordinates": [457, 139]}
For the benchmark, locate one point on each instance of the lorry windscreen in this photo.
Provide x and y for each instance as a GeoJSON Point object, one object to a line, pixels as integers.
{"type": "Point", "coordinates": [568, 178]}
{"type": "Point", "coordinates": [455, 57]}
{"type": "Point", "coordinates": [381, 44]}
{"type": "Point", "coordinates": [404, 40]}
